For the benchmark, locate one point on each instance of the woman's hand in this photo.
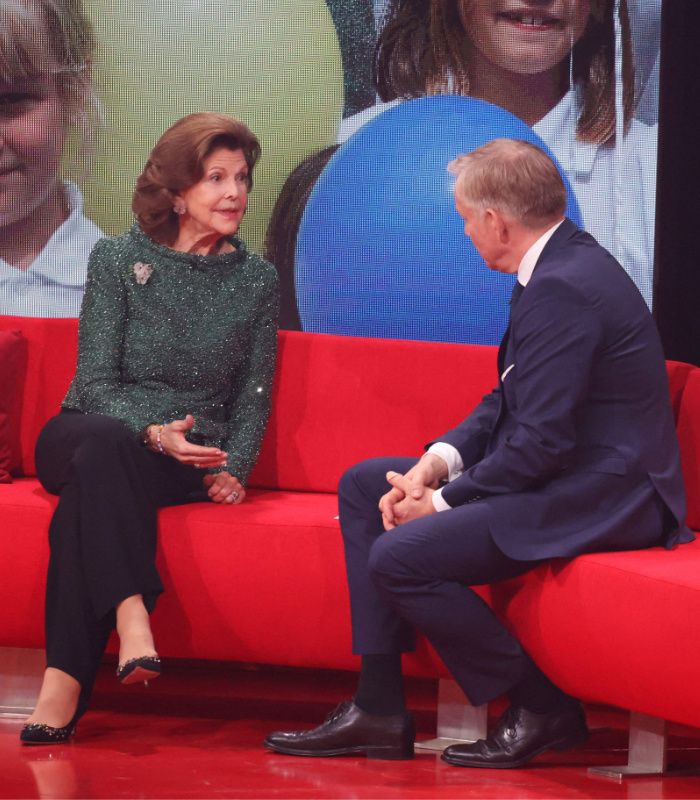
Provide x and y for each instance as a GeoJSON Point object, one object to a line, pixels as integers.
{"type": "Point", "coordinates": [174, 443]}
{"type": "Point", "coordinates": [224, 488]}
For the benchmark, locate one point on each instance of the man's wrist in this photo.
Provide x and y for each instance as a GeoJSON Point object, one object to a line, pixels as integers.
{"type": "Point", "coordinates": [450, 456]}
{"type": "Point", "coordinates": [437, 464]}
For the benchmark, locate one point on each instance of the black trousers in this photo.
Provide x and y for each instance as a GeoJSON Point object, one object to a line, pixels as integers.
{"type": "Point", "coordinates": [417, 576]}
{"type": "Point", "coordinates": [102, 535]}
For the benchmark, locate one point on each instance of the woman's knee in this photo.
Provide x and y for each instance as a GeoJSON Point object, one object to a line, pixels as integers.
{"type": "Point", "coordinates": [84, 442]}
{"type": "Point", "coordinates": [101, 441]}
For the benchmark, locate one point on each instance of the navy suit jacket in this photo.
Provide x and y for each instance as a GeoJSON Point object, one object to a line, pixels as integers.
{"type": "Point", "coordinates": [571, 448]}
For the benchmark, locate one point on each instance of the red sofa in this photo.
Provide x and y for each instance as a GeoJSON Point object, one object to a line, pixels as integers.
{"type": "Point", "coordinates": [618, 629]}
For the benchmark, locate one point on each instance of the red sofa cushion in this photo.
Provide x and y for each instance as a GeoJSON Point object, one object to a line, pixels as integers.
{"type": "Point", "coordinates": [617, 628]}
{"type": "Point", "coordinates": [12, 367]}
{"type": "Point", "coordinates": [48, 369]}
{"type": "Point", "coordinates": [26, 512]}
{"type": "Point", "coordinates": [265, 582]}
{"type": "Point", "coordinates": [339, 400]}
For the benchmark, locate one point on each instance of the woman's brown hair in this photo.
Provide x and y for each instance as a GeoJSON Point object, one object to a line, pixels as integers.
{"type": "Point", "coordinates": [177, 162]}
{"type": "Point", "coordinates": [423, 49]}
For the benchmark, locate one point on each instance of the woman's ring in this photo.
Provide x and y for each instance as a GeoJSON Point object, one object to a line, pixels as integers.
{"type": "Point", "coordinates": [234, 496]}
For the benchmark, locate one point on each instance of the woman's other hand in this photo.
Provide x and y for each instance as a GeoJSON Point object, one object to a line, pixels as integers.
{"type": "Point", "coordinates": [174, 443]}
{"type": "Point", "coordinates": [224, 488]}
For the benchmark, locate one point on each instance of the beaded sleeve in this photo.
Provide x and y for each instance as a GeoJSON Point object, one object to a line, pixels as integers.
{"type": "Point", "coordinates": [97, 385]}
{"type": "Point", "coordinates": [249, 406]}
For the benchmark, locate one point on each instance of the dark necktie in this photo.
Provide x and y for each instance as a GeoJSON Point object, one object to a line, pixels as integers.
{"type": "Point", "coordinates": [518, 289]}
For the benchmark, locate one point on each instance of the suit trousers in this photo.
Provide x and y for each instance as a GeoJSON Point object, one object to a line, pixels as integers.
{"type": "Point", "coordinates": [102, 535]}
{"type": "Point", "coordinates": [417, 576]}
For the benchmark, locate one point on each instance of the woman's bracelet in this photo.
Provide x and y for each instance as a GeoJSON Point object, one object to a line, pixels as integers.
{"type": "Point", "coordinates": [159, 444]}
{"type": "Point", "coordinates": [156, 446]}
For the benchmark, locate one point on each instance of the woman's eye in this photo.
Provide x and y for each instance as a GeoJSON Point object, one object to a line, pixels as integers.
{"type": "Point", "coordinates": [15, 103]}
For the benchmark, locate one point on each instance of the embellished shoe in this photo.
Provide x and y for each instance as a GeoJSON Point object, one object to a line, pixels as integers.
{"type": "Point", "coordinates": [143, 669]}
{"type": "Point", "coordinates": [40, 733]}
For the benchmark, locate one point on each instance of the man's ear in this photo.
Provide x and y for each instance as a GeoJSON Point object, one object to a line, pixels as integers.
{"type": "Point", "coordinates": [497, 224]}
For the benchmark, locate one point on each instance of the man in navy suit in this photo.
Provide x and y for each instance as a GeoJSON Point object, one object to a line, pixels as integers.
{"type": "Point", "coordinates": [573, 452]}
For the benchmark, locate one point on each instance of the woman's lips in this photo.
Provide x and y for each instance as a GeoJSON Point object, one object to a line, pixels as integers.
{"type": "Point", "coordinates": [529, 20]}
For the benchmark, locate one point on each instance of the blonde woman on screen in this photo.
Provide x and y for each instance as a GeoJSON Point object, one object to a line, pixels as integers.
{"type": "Point", "coordinates": [46, 48]}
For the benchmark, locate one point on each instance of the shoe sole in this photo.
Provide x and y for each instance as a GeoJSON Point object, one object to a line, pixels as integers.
{"type": "Point", "coordinates": [561, 744]}
{"type": "Point", "coordinates": [138, 675]}
{"type": "Point", "coordinates": [378, 753]}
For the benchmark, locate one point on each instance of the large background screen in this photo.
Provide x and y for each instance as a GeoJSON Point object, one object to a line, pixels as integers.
{"type": "Point", "coordinates": [359, 107]}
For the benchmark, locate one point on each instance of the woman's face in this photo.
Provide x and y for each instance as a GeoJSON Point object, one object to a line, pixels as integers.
{"type": "Point", "coordinates": [217, 202]}
{"type": "Point", "coordinates": [33, 126]}
{"type": "Point", "coordinates": [524, 36]}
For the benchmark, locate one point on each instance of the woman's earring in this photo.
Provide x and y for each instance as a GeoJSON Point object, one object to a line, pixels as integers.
{"type": "Point", "coordinates": [179, 209]}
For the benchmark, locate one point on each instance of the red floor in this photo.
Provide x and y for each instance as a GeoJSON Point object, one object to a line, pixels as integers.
{"type": "Point", "coordinates": [197, 733]}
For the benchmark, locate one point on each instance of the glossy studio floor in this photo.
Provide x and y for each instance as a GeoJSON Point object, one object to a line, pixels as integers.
{"type": "Point", "coordinates": [196, 732]}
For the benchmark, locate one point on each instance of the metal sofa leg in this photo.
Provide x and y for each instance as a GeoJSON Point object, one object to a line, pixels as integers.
{"type": "Point", "coordinates": [647, 749]}
{"type": "Point", "coordinates": [457, 721]}
{"type": "Point", "coordinates": [21, 673]}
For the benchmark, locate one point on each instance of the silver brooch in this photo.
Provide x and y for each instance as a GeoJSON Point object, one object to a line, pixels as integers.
{"type": "Point", "coordinates": [142, 272]}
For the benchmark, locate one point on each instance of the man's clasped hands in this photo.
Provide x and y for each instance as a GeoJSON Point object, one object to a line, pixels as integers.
{"type": "Point", "coordinates": [411, 494]}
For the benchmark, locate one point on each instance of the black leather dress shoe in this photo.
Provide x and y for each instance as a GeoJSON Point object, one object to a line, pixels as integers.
{"type": "Point", "coordinates": [349, 730]}
{"type": "Point", "coordinates": [519, 736]}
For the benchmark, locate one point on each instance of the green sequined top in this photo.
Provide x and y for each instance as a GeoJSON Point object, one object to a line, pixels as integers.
{"type": "Point", "coordinates": [163, 334]}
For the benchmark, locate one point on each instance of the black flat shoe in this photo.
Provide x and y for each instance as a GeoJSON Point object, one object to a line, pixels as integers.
{"type": "Point", "coordinates": [143, 669]}
{"type": "Point", "coordinates": [519, 736]}
{"type": "Point", "coordinates": [39, 733]}
{"type": "Point", "coordinates": [349, 730]}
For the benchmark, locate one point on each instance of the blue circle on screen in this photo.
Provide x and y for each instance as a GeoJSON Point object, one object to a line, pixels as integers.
{"type": "Point", "coordinates": [381, 250]}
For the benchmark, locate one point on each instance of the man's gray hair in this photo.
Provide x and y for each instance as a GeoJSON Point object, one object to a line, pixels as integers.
{"type": "Point", "coordinates": [514, 177]}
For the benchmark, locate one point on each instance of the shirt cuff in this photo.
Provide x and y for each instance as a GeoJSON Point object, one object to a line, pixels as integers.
{"type": "Point", "coordinates": [438, 503]}
{"type": "Point", "coordinates": [450, 455]}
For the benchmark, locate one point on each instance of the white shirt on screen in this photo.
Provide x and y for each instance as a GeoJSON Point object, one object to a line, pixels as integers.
{"type": "Point", "coordinates": [53, 285]}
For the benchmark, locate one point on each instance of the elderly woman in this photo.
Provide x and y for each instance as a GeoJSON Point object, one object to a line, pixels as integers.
{"type": "Point", "coordinates": [168, 404]}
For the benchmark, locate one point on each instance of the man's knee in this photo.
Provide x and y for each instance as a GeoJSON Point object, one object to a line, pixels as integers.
{"type": "Point", "coordinates": [368, 478]}
{"type": "Point", "coordinates": [361, 477]}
